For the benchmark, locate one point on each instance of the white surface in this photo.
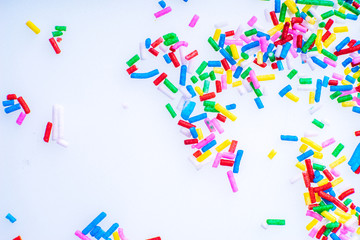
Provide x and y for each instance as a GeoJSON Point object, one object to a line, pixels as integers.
{"type": "Point", "coordinates": [131, 163]}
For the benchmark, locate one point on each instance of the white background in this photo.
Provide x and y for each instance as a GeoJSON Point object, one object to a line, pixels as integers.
{"type": "Point", "coordinates": [131, 163]}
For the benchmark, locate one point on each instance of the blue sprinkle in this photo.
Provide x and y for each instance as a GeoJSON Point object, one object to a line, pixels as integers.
{"type": "Point", "coordinates": [227, 56]}
{"type": "Point", "coordinates": [326, 81]}
{"type": "Point", "coordinates": [193, 132]}
{"type": "Point", "coordinates": [342, 44]}
{"type": "Point", "coordinates": [280, 65]}
{"type": "Point", "coordinates": [346, 61]}
{"type": "Point", "coordinates": [305, 155]}
{"type": "Point", "coordinates": [167, 58]}
{"type": "Point", "coordinates": [318, 90]}
{"type": "Point", "coordinates": [191, 90]}
{"type": "Point", "coordinates": [11, 218]}
{"type": "Point", "coordinates": [147, 43]}
{"type": "Point", "coordinates": [222, 40]}
{"type": "Point", "coordinates": [162, 4]}
{"type": "Point", "coordinates": [341, 88]}
{"type": "Point", "coordinates": [238, 157]}
{"type": "Point", "coordinates": [197, 118]}
{"type": "Point", "coordinates": [95, 222]}
{"type": "Point", "coordinates": [285, 90]}
{"type": "Point", "coordinates": [187, 110]}
{"type": "Point", "coordinates": [8, 103]}
{"type": "Point", "coordinates": [259, 103]}
{"type": "Point", "coordinates": [214, 64]}
{"type": "Point", "coordinates": [319, 62]}
{"type": "Point", "coordinates": [208, 146]}
{"type": "Point", "coordinates": [290, 138]}
{"type": "Point", "coordinates": [237, 72]}
{"type": "Point", "coordinates": [12, 108]}
{"type": "Point", "coordinates": [145, 75]}
{"type": "Point", "coordinates": [183, 70]}
{"type": "Point", "coordinates": [230, 106]}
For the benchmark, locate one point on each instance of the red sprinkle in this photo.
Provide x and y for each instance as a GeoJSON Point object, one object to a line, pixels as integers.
{"type": "Point", "coordinates": [220, 117]}
{"type": "Point", "coordinates": [190, 141]}
{"type": "Point", "coordinates": [328, 24]}
{"type": "Point", "coordinates": [47, 132]}
{"type": "Point", "coordinates": [207, 96]}
{"type": "Point", "coordinates": [197, 154]}
{"type": "Point", "coordinates": [157, 42]}
{"type": "Point", "coordinates": [24, 105]}
{"type": "Point", "coordinates": [218, 86]}
{"type": "Point", "coordinates": [226, 162]}
{"type": "Point", "coordinates": [174, 59]}
{"type": "Point", "coordinates": [160, 78]}
{"type": "Point", "coordinates": [154, 52]}
{"type": "Point", "coordinates": [11, 97]}
{"type": "Point", "coordinates": [191, 55]}
{"type": "Point", "coordinates": [229, 33]}
{"type": "Point", "coordinates": [131, 69]}
{"type": "Point", "coordinates": [233, 145]}
{"type": "Point", "coordinates": [185, 124]}
{"type": "Point", "coordinates": [54, 45]}
{"type": "Point", "coordinates": [225, 64]}
{"type": "Point", "coordinates": [274, 19]}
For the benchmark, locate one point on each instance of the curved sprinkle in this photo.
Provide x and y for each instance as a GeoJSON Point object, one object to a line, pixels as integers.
{"type": "Point", "coordinates": [145, 75]}
{"type": "Point", "coordinates": [180, 44]}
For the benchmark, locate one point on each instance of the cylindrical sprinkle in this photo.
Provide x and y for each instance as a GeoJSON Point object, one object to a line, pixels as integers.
{"type": "Point", "coordinates": [162, 12]}
{"type": "Point", "coordinates": [47, 132]}
{"type": "Point", "coordinates": [21, 118]}
{"type": "Point", "coordinates": [232, 181]}
{"type": "Point", "coordinates": [279, 222]}
{"type": "Point", "coordinates": [32, 26]}
{"type": "Point", "coordinates": [194, 21]}
{"type": "Point", "coordinates": [54, 45]}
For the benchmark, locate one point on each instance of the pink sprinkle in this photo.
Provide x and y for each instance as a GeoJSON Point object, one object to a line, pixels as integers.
{"type": "Point", "coordinates": [293, 52]}
{"type": "Point", "coordinates": [180, 44]}
{"type": "Point", "coordinates": [328, 142]}
{"type": "Point", "coordinates": [313, 232]}
{"type": "Point", "coordinates": [356, 60]}
{"type": "Point", "coordinates": [252, 21]}
{"type": "Point", "coordinates": [121, 234]}
{"type": "Point", "coordinates": [254, 79]}
{"type": "Point", "coordinates": [232, 181]}
{"type": "Point", "coordinates": [206, 140]}
{"type": "Point", "coordinates": [234, 41]}
{"type": "Point", "coordinates": [314, 215]}
{"type": "Point", "coordinates": [217, 125]}
{"type": "Point", "coordinates": [350, 229]}
{"type": "Point", "coordinates": [217, 160]}
{"type": "Point", "coordinates": [275, 36]}
{"type": "Point", "coordinates": [21, 118]}
{"type": "Point", "coordinates": [330, 62]}
{"type": "Point", "coordinates": [223, 82]}
{"type": "Point", "coordinates": [245, 38]}
{"type": "Point", "coordinates": [228, 155]}
{"type": "Point", "coordinates": [338, 76]}
{"type": "Point", "coordinates": [194, 21]}
{"type": "Point", "coordinates": [335, 172]}
{"type": "Point", "coordinates": [300, 28]}
{"type": "Point", "coordinates": [81, 236]}
{"type": "Point", "coordinates": [263, 44]}
{"type": "Point", "coordinates": [233, 68]}
{"type": "Point", "coordinates": [254, 38]}
{"type": "Point", "coordinates": [357, 100]}
{"type": "Point", "coordinates": [348, 92]}
{"type": "Point", "coordinates": [162, 12]}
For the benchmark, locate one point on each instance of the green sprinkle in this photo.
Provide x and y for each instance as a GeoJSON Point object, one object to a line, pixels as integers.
{"type": "Point", "coordinates": [201, 68]}
{"type": "Point", "coordinates": [335, 95]}
{"type": "Point", "coordinates": [340, 14]}
{"type": "Point", "coordinates": [345, 98]}
{"type": "Point", "coordinates": [347, 202]}
{"type": "Point", "coordinates": [213, 44]}
{"type": "Point", "coordinates": [332, 225]}
{"type": "Point", "coordinates": [351, 8]}
{"type": "Point", "coordinates": [169, 36]}
{"type": "Point", "coordinates": [209, 104]}
{"type": "Point", "coordinates": [322, 25]}
{"type": "Point", "coordinates": [171, 41]}
{"type": "Point", "coordinates": [320, 209]}
{"type": "Point", "coordinates": [319, 167]}
{"type": "Point", "coordinates": [206, 86]}
{"type": "Point", "coordinates": [309, 14]}
{"type": "Point", "coordinates": [250, 32]}
{"type": "Point", "coordinates": [327, 14]}
{"type": "Point", "coordinates": [204, 76]}
{"type": "Point", "coordinates": [292, 74]}
{"type": "Point", "coordinates": [171, 110]}
{"type": "Point", "coordinates": [257, 91]}
{"type": "Point", "coordinates": [246, 73]}
{"type": "Point", "coordinates": [170, 86]}
{"type": "Point", "coordinates": [282, 13]}
{"type": "Point", "coordinates": [272, 57]}
{"type": "Point", "coordinates": [316, 2]}
{"type": "Point", "coordinates": [245, 56]}
{"type": "Point", "coordinates": [329, 54]}
{"type": "Point", "coordinates": [337, 150]}
{"type": "Point", "coordinates": [57, 34]}
{"type": "Point", "coordinates": [194, 79]}
{"type": "Point", "coordinates": [133, 60]}
{"type": "Point", "coordinates": [210, 109]}
{"type": "Point", "coordinates": [327, 232]}
{"type": "Point", "coordinates": [308, 43]}
{"type": "Point", "coordinates": [212, 75]}
{"type": "Point", "coordinates": [305, 80]}
{"type": "Point", "coordinates": [318, 123]}
{"type": "Point", "coordinates": [275, 221]}
{"type": "Point", "coordinates": [60, 28]}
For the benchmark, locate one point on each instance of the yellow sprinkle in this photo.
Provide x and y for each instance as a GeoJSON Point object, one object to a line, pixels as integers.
{"type": "Point", "coordinates": [337, 181]}
{"type": "Point", "coordinates": [311, 97]}
{"type": "Point", "coordinates": [318, 36]}
{"type": "Point", "coordinates": [358, 231]}
{"type": "Point", "coordinates": [217, 34]}
{"type": "Point", "coordinates": [330, 40]}
{"type": "Point", "coordinates": [116, 235]}
{"type": "Point", "coordinates": [342, 214]}
{"type": "Point", "coordinates": [310, 20]}
{"type": "Point", "coordinates": [218, 70]}
{"type": "Point", "coordinates": [239, 62]}
{"type": "Point", "coordinates": [301, 166]}
{"type": "Point", "coordinates": [272, 154]}
{"type": "Point", "coordinates": [352, 211]}
{"type": "Point", "coordinates": [336, 163]}
{"type": "Point", "coordinates": [318, 155]}
{"type": "Point", "coordinates": [328, 216]}
{"type": "Point", "coordinates": [341, 29]}
{"type": "Point", "coordinates": [200, 133]}
{"type": "Point", "coordinates": [349, 104]}
{"type": "Point", "coordinates": [306, 8]}
{"type": "Point", "coordinates": [312, 224]}
{"type": "Point", "coordinates": [223, 145]}
{"type": "Point", "coordinates": [204, 156]}
{"type": "Point", "coordinates": [260, 57]}
{"type": "Point", "coordinates": [317, 198]}
{"type": "Point", "coordinates": [291, 5]}
{"type": "Point", "coordinates": [307, 198]}
{"type": "Point", "coordinates": [229, 76]}
{"type": "Point", "coordinates": [225, 112]}
{"type": "Point", "coordinates": [356, 75]}
{"type": "Point", "coordinates": [311, 144]}
{"type": "Point", "coordinates": [303, 148]}
{"type": "Point", "coordinates": [342, 221]}
{"type": "Point", "coordinates": [292, 97]}
{"type": "Point", "coordinates": [342, 9]}
{"type": "Point", "coordinates": [347, 70]}
{"type": "Point", "coordinates": [265, 77]}
{"type": "Point", "coordinates": [32, 26]}
{"type": "Point", "coordinates": [199, 90]}
{"type": "Point", "coordinates": [323, 182]}
{"type": "Point", "coordinates": [345, 82]}
{"type": "Point", "coordinates": [237, 83]}
{"type": "Point", "coordinates": [276, 29]}
{"type": "Point", "coordinates": [234, 51]}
